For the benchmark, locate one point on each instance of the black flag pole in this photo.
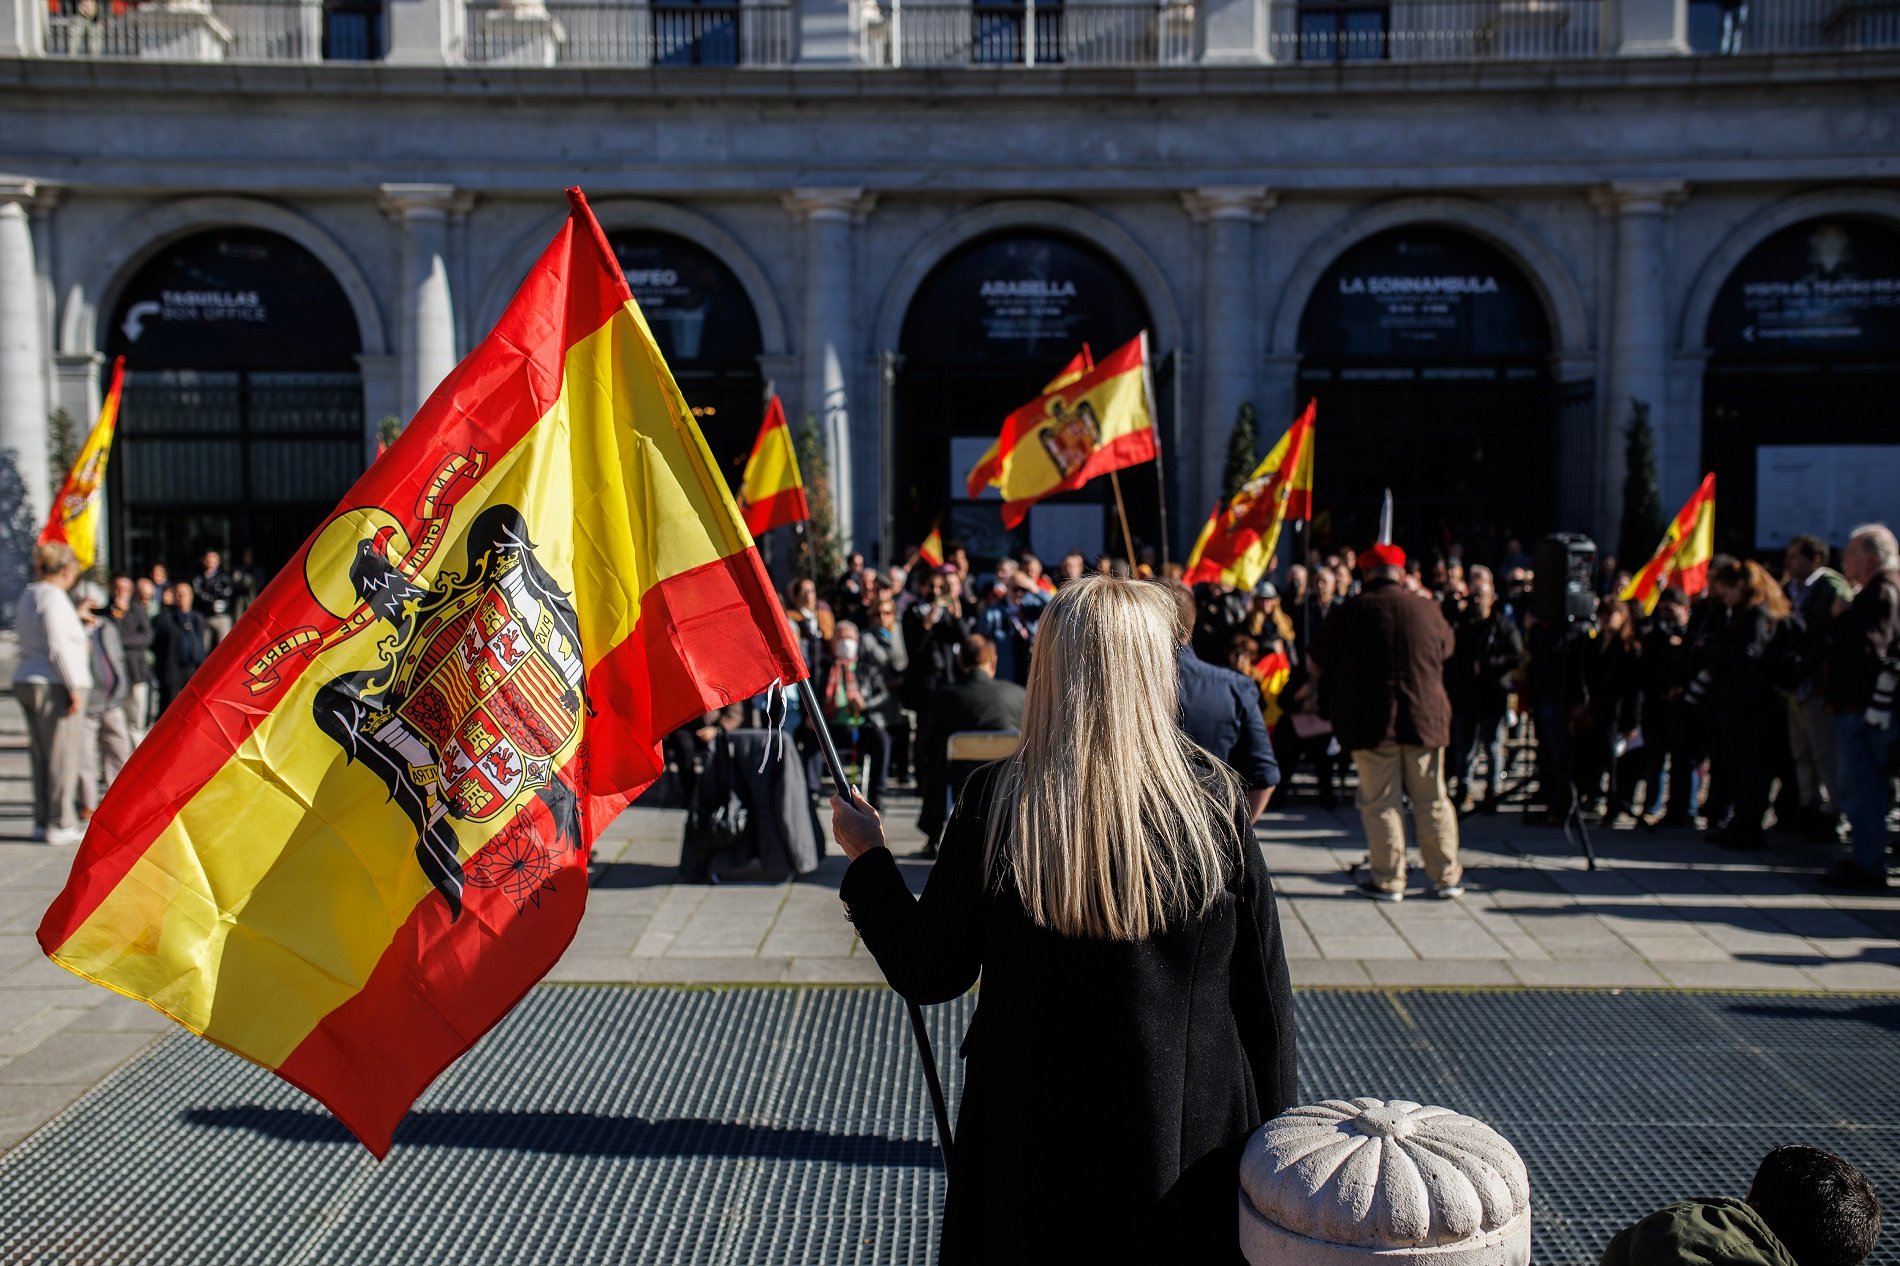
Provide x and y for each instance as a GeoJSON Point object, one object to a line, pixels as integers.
{"type": "Point", "coordinates": [808, 697]}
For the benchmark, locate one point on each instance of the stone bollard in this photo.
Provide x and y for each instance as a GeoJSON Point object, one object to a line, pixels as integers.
{"type": "Point", "coordinates": [1345, 1182]}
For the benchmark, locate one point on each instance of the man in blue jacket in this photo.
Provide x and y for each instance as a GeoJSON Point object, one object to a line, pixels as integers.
{"type": "Point", "coordinates": [1220, 710]}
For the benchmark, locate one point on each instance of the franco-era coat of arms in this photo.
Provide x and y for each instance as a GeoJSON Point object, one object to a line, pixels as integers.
{"type": "Point", "coordinates": [477, 702]}
{"type": "Point", "coordinates": [1074, 437]}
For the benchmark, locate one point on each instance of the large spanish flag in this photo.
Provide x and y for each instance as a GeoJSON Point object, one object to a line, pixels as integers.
{"type": "Point", "coordinates": [1062, 439]}
{"type": "Point", "coordinates": [988, 471]}
{"type": "Point", "coordinates": [362, 832]}
{"type": "Point", "coordinates": [772, 493]}
{"type": "Point", "coordinates": [1236, 546]}
{"type": "Point", "coordinates": [75, 515]}
{"type": "Point", "coordinates": [1683, 557]}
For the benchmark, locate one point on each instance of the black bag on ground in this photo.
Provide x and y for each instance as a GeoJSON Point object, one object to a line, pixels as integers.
{"type": "Point", "coordinates": [719, 818]}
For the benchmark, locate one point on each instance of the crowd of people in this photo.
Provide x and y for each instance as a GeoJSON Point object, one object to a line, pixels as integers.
{"type": "Point", "coordinates": [98, 663]}
{"type": "Point", "coordinates": [1761, 699]}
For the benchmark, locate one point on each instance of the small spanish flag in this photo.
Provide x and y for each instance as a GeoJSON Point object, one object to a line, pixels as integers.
{"type": "Point", "coordinates": [931, 551]}
{"type": "Point", "coordinates": [988, 471]}
{"type": "Point", "coordinates": [361, 834]}
{"type": "Point", "coordinates": [1236, 546]}
{"type": "Point", "coordinates": [1683, 557]}
{"type": "Point", "coordinates": [772, 494]}
{"type": "Point", "coordinates": [1271, 673]}
{"type": "Point", "coordinates": [75, 515]}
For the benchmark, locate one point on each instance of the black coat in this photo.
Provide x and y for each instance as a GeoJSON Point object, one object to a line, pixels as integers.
{"type": "Point", "coordinates": [977, 702]}
{"type": "Point", "coordinates": [1108, 1086]}
{"type": "Point", "coordinates": [1486, 654]}
{"type": "Point", "coordinates": [135, 631]}
{"type": "Point", "coordinates": [178, 640]}
{"type": "Point", "coordinates": [1220, 711]}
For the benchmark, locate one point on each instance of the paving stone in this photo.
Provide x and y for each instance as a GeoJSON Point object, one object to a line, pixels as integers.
{"type": "Point", "coordinates": [860, 969]}
{"type": "Point", "coordinates": [1678, 949]}
{"type": "Point", "coordinates": [1589, 973]}
{"type": "Point", "coordinates": [70, 1057]}
{"type": "Point", "coordinates": [33, 1030]}
{"type": "Point", "coordinates": [750, 970]}
{"type": "Point", "coordinates": [1734, 975]}
{"type": "Point", "coordinates": [24, 1109]}
{"type": "Point", "coordinates": [1470, 972]}
{"type": "Point", "coordinates": [1856, 976]}
{"type": "Point", "coordinates": [1317, 973]}
{"type": "Point", "coordinates": [1364, 947]}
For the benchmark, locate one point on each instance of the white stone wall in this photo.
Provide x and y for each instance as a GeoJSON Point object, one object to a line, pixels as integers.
{"type": "Point", "coordinates": [883, 172]}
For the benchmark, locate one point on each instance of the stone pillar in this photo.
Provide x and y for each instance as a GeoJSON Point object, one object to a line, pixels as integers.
{"type": "Point", "coordinates": [1229, 340]}
{"type": "Point", "coordinates": [827, 33]}
{"type": "Point", "coordinates": [22, 29]}
{"type": "Point", "coordinates": [23, 406]}
{"type": "Point", "coordinates": [425, 338]}
{"type": "Point", "coordinates": [1652, 28]}
{"type": "Point", "coordinates": [1234, 33]}
{"type": "Point", "coordinates": [424, 32]}
{"type": "Point", "coordinates": [829, 363]}
{"type": "Point", "coordinates": [1639, 343]}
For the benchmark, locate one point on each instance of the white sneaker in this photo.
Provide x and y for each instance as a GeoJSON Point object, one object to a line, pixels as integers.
{"type": "Point", "coordinates": [1448, 892]}
{"type": "Point", "coordinates": [63, 835]}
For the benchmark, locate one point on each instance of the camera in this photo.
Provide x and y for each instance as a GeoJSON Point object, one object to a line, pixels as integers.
{"type": "Point", "coordinates": [1562, 595]}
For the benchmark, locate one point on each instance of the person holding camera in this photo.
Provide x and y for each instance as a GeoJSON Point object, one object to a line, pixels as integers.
{"type": "Point", "coordinates": [1487, 651]}
{"type": "Point", "coordinates": [1136, 1020]}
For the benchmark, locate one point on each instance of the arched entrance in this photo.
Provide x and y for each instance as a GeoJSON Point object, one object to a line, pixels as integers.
{"type": "Point", "coordinates": [990, 325]}
{"type": "Point", "coordinates": [1428, 350]}
{"type": "Point", "coordinates": [707, 331]}
{"type": "Point", "coordinates": [1798, 416]}
{"type": "Point", "coordinates": [242, 423]}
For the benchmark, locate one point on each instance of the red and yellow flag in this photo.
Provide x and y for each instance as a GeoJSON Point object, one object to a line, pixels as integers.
{"type": "Point", "coordinates": [1236, 546]}
{"type": "Point", "coordinates": [771, 493]}
{"type": "Point", "coordinates": [931, 551]}
{"type": "Point", "coordinates": [988, 471]}
{"type": "Point", "coordinates": [1062, 439]}
{"type": "Point", "coordinates": [1271, 673]}
{"type": "Point", "coordinates": [1683, 557]}
{"type": "Point", "coordinates": [74, 519]}
{"type": "Point", "coordinates": [361, 834]}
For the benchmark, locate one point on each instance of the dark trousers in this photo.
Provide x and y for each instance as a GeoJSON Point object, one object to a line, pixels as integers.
{"type": "Point", "coordinates": [1656, 735]}
{"type": "Point", "coordinates": [1688, 748]}
{"type": "Point", "coordinates": [1743, 765]}
{"type": "Point", "coordinates": [1472, 730]}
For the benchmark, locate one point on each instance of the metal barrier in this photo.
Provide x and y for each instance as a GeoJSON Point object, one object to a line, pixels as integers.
{"type": "Point", "coordinates": [1437, 30]}
{"type": "Point", "coordinates": [188, 30]}
{"type": "Point", "coordinates": [617, 34]}
{"type": "Point", "coordinates": [998, 34]}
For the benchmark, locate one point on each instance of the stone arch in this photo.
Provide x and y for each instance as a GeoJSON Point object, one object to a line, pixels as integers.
{"type": "Point", "coordinates": [1086, 226]}
{"type": "Point", "coordinates": [663, 217]}
{"type": "Point", "coordinates": [1563, 304]}
{"type": "Point", "coordinates": [1881, 204]}
{"type": "Point", "coordinates": [145, 234]}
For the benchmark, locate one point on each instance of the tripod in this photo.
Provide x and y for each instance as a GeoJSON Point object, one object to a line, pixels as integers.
{"type": "Point", "coordinates": [1576, 830]}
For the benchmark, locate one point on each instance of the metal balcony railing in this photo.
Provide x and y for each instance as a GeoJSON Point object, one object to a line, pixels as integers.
{"type": "Point", "coordinates": [1436, 30]}
{"type": "Point", "coordinates": [620, 34]}
{"type": "Point", "coordinates": [215, 31]}
{"type": "Point", "coordinates": [1074, 34]}
{"type": "Point", "coordinates": [1793, 26]}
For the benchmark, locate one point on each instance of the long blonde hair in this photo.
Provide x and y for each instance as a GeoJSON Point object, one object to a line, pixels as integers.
{"type": "Point", "coordinates": [1102, 818]}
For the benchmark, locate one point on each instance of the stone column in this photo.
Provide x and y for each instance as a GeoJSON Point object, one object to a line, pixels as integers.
{"type": "Point", "coordinates": [21, 32]}
{"type": "Point", "coordinates": [1639, 343]}
{"type": "Point", "coordinates": [424, 32]}
{"type": "Point", "coordinates": [425, 337]}
{"type": "Point", "coordinates": [828, 360]}
{"type": "Point", "coordinates": [23, 407]}
{"type": "Point", "coordinates": [1234, 33]}
{"type": "Point", "coordinates": [1652, 28]}
{"type": "Point", "coordinates": [1229, 338]}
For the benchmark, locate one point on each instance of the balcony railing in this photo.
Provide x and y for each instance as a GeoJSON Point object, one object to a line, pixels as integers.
{"type": "Point", "coordinates": [620, 34]}
{"type": "Point", "coordinates": [1793, 26]}
{"type": "Point", "coordinates": [1436, 30]}
{"type": "Point", "coordinates": [1076, 34]}
{"type": "Point", "coordinates": [197, 31]}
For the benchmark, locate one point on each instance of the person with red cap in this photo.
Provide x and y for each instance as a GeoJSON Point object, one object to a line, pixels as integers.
{"type": "Point", "coordinates": [1381, 662]}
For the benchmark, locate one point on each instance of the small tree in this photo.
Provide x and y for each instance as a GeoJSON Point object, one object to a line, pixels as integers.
{"type": "Point", "coordinates": [387, 429]}
{"type": "Point", "coordinates": [817, 554]}
{"type": "Point", "coordinates": [1642, 524]}
{"type": "Point", "coordinates": [1242, 451]}
{"type": "Point", "coordinates": [18, 531]}
{"type": "Point", "coordinates": [62, 447]}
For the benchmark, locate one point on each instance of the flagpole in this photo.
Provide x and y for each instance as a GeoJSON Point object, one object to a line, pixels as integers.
{"type": "Point", "coordinates": [1154, 418]}
{"type": "Point", "coordinates": [1121, 508]}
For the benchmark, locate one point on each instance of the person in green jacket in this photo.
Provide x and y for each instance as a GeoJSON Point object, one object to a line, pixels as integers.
{"type": "Point", "coordinates": [1806, 1207]}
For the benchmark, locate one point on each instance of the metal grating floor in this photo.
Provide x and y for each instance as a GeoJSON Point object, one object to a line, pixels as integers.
{"type": "Point", "coordinates": [652, 1125]}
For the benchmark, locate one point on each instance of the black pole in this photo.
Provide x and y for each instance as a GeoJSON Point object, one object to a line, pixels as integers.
{"type": "Point", "coordinates": [808, 699]}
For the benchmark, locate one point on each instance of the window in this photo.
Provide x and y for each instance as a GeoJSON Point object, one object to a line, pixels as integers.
{"type": "Point", "coordinates": [1338, 31]}
{"type": "Point", "coordinates": [694, 34]}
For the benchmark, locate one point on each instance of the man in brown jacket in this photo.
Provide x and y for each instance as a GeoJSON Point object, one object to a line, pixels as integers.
{"type": "Point", "coordinates": [1382, 658]}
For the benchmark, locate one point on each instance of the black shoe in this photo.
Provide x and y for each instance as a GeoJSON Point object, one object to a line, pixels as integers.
{"type": "Point", "coordinates": [1851, 877]}
{"type": "Point", "coordinates": [1369, 887]}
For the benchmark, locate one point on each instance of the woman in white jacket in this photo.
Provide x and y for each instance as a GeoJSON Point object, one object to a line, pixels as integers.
{"type": "Point", "coordinates": [54, 675]}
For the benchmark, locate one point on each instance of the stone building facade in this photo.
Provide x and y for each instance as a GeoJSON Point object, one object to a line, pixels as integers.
{"type": "Point", "coordinates": [1477, 236]}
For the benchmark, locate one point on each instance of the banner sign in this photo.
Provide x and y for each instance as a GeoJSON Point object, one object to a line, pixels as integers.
{"type": "Point", "coordinates": [1823, 287]}
{"type": "Point", "coordinates": [1826, 489]}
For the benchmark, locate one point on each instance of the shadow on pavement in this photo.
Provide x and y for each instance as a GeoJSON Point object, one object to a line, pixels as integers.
{"type": "Point", "coordinates": [581, 1134]}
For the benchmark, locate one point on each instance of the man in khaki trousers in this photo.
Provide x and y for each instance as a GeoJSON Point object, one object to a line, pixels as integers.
{"type": "Point", "coordinates": [1381, 659]}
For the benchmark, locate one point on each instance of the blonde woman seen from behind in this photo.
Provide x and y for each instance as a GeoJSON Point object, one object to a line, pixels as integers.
{"type": "Point", "coordinates": [1135, 1021]}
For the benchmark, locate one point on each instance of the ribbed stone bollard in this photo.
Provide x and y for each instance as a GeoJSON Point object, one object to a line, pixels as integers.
{"type": "Point", "coordinates": [1349, 1181]}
